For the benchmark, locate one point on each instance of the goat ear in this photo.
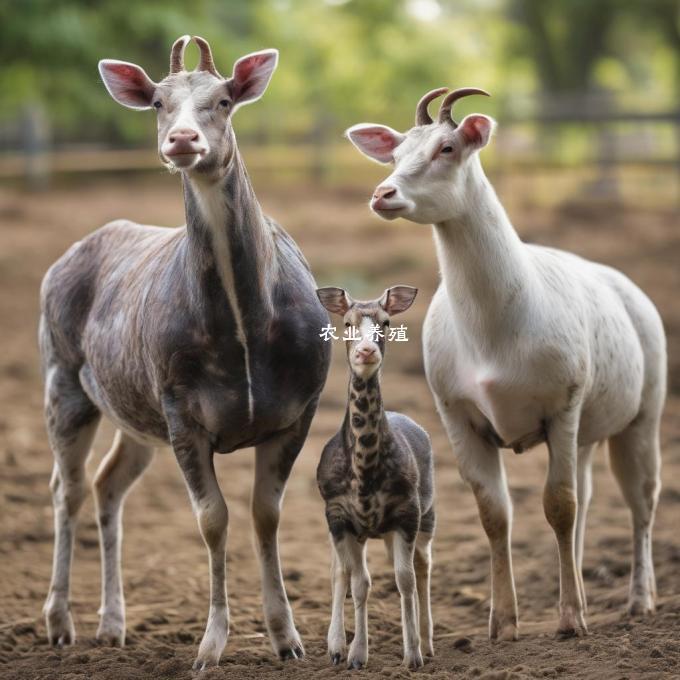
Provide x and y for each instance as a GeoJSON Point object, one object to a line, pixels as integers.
{"type": "Point", "coordinates": [398, 299]}
{"type": "Point", "coordinates": [251, 75]}
{"type": "Point", "coordinates": [476, 130]}
{"type": "Point", "coordinates": [127, 83]}
{"type": "Point", "coordinates": [335, 300]}
{"type": "Point", "coordinates": [375, 141]}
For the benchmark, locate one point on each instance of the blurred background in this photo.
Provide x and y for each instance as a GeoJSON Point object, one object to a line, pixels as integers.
{"type": "Point", "coordinates": [587, 158]}
{"type": "Point", "coordinates": [586, 91]}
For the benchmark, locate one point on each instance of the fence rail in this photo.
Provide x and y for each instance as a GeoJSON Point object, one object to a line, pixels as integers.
{"type": "Point", "coordinates": [616, 156]}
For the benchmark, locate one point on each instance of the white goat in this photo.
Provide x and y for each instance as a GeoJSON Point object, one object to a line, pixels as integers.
{"type": "Point", "coordinates": [526, 344]}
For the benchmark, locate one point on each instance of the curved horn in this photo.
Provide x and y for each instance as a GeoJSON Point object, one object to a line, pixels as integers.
{"type": "Point", "coordinates": [177, 54]}
{"type": "Point", "coordinates": [422, 116]}
{"type": "Point", "coordinates": [206, 62]}
{"type": "Point", "coordinates": [452, 98]}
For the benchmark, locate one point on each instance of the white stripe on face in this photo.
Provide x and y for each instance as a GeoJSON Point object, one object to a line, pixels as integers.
{"type": "Point", "coordinates": [186, 120]}
{"type": "Point", "coordinates": [186, 117]}
{"type": "Point", "coordinates": [365, 370]}
{"type": "Point", "coordinates": [367, 337]}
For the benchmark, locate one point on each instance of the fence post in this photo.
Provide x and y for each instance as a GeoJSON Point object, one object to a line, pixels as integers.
{"type": "Point", "coordinates": [35, 133]}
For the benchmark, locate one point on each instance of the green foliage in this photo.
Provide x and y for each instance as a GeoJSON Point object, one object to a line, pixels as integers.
{"type": "Point", "coordinates": [566, 40]}
{"type": "Point", "coordinates": [342, 61]}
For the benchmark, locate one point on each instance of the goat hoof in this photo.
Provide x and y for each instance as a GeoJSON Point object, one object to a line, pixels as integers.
{"type": "Point", "coordinates": [60, 629]}
{"type": "Point", "coordinates": [61, 641]}
{"type": "Point", "coordinates": [571, 624]}
{"type": "Point", "coordinates": [566, 633]}
{"type": "Point", "coordinates": [291, 653]}
{"type": "Point", "coordinates": [336, 658]}
{"type": "Point", "coordinates": [203, 664]}
{"type": "Point", "coordinates": [288, 645]}
{"type": "Point", "coordinates": [503, 628]}
{"type": "Point", "coordinates": [110, 640]}
{"type": "Point", "coordinates": [641, 608]}
{"type": "Point", "coordinates": [414, 661]}
{"type": "Point", "coordinates": [355, 665]}
{"type": "Point", "coordinates": [111, 634]}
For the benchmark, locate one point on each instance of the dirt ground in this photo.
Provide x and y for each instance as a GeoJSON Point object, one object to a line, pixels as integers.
{"type": "Point", "coordinates": [164, 560]}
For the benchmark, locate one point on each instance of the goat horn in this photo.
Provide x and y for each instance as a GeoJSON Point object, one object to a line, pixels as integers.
{"type": "Point", "coordinates": [422, 116]}
{"type": "Point", "coordinates": [177, 54]}
{"type": "Point", "coordinates": [452, 98]}
{"type": "Point", "coordinates": [206, 63]}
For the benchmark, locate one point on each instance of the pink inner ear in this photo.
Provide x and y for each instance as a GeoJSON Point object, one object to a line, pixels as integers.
{"type": "Point", "coordinates": [377, 141]}
{"type": "Point", "coordinates": [128, 73]}
{"type": "Point", "coordinates": [244, 69]}
{"type": "Point", "coordinates": [475, 129]}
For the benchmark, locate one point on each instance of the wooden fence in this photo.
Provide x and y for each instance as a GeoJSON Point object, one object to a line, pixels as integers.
{"type": "Point", "coordinates": [578, 152]}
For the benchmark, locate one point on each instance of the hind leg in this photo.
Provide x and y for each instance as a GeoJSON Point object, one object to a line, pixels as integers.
{"type": "Point", "coordinates": [72, 421]}
{"type": "Point", "coordinates": [635, 459]}
{"type": "Point", "coordinates": [584, 492]}
{"type": "Point", "coordinates": [422, 561]}
{"type": "Point", "coordinates": [122, 466]}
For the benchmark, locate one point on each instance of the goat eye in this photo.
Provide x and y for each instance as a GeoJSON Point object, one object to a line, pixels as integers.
{"type": "Point", "coordinates": [386, 323]}
{"type": "Point", "coordinates": [447, 149]}
{"type": "Point", "coordinates": [157, 104]}
{"type": "Point", "coordinates": [347, 324]}
{"type": "Point", "coordinates": [224, 102]}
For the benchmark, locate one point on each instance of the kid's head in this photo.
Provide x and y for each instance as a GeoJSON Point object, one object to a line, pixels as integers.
{"type": "Point", "coordinates": [366, 323]}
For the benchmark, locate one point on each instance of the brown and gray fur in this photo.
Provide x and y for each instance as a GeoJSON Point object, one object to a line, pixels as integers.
{"type": "Point", "coordinates": [204, 337]}
{"type": "Point", "coordinates": [376, 478]}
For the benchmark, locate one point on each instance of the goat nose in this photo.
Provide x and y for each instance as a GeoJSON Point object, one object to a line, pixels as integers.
{"type": "Point", "coordinates": [366, 351]}
{"type": "Point", "coordinates": [384, 192]}
{"type": "Point", "coordinates": [184, 135]}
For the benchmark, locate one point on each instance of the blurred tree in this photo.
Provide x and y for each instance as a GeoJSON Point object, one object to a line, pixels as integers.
{"type": "Point", "coordinates": [662, 16]}
{"type": "Point", "coordinates": [342, 61]}
{"type": "Point", "coordinates": [564, 39]}
{"type": "Point", "coordinates": [49, 53]}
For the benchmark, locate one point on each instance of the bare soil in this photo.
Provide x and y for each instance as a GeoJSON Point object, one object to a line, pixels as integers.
{"type": "Point", "coordinates": [164, 560]}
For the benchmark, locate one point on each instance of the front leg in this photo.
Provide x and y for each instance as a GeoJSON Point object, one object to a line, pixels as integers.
{"type": "Point", "coordinates": [404, 571]}
{"type": "Point", "coordinates": [273, 462]}
{"type": "Point", "coordinates": [337, 642]}
{"type": "Point", "coordinates": [352, 558]}
{"type": "Point", "coordinates": [195, 457]}
{"type": "Point", "coordinates": [560, 504]}
{"type": "Point", "coordinates": [480, 464]}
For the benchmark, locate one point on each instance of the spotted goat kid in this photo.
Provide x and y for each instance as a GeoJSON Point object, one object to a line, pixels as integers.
{"type": "Point", "coordinates": [375, 476]}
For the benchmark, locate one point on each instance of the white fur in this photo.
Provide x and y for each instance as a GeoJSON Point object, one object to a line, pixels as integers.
{"type": "Point", "coordinates": [186, 120]}
{"type": "Point", "coordinates": [535, 343]}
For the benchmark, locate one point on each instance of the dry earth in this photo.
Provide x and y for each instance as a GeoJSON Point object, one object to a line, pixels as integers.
{"type": "Point", "coordinates": [165, 564]}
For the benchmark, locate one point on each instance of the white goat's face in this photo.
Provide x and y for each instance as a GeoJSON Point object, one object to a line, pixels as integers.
{"type": "Point", "coordinates": [370, 321]}
{"type": "Point", "coordinates": [431, 160]}
{"type": "Point", "coordinates": [194, 108]}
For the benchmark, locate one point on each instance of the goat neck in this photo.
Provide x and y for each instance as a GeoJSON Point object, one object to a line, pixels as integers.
{"type": "Point", "coordinates": [365, 425]}
{"type": "Point", "coordinates": [485, 266]}
{"type": "Point", "coordinates": [226, 228]}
